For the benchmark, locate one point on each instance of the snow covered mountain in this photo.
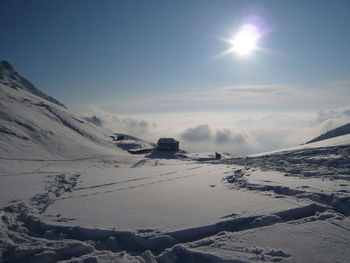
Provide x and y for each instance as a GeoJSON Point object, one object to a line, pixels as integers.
{"type": "Point", "coordinates": [34, 125]}
{"type": "Point", "coordinates": [342, 130]}
{"type": "Point", "coordinates": [10, 77]}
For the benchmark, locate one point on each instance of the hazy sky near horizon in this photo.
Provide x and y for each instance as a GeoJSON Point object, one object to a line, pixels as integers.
{"type": "Point", "coordinates": [162, 58]}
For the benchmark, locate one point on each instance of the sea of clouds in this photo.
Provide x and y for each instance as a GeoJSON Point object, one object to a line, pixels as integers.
{"type": "Point", "coordinates": [223, 131]}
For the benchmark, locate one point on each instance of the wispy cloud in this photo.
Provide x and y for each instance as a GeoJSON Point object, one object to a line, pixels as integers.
{"type": "Point", "coordinates": [339, 84]}
{"type": "Point", "coordinates": [238, 98]}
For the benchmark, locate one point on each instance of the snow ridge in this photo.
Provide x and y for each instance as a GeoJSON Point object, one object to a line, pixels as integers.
{"type": "Point", "coordinates": [32, 128]}
{"type": "Point", "coordinates": [10, 77]}
{"type": "Point", "coordinates": [342, 130]}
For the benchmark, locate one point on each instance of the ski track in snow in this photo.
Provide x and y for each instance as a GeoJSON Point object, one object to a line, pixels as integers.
{"type": "Point", "coordinates": [123, 181]}
{"type": "Point", "coordinates": [117, 241]}
{"type": "Point", "coordinates": [134, 186]}
{"type": "Point", "coordinates": [152, 182]}
{"type": "Point", "coordinates": [52, 243]}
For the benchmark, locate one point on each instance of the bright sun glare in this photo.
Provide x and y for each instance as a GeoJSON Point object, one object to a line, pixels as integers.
{"type": "Point", "coordinates": [246, 40]}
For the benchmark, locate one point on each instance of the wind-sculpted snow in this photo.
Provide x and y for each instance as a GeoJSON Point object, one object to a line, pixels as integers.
{"type": "Point", "coordinates": [330, 164]}
{"type": "Point", "coordinates": [325, 162]}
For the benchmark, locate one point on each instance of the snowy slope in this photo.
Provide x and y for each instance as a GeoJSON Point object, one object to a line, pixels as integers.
{"type": "Point", "coordinates": [342, 130]}
{"type": "Point", "coordinates": [10, 77]}
{"type": "Point", "coordinates": [336, 141]}
{"type": "Point", "coordinates": [33, 127]}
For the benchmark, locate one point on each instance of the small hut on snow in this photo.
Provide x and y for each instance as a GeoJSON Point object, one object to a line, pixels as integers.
{"type": "Point", "coordinates": [168, 144]}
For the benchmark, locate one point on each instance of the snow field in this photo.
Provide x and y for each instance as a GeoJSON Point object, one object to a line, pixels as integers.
{"type": "Point", "coordinates": [69, 193]}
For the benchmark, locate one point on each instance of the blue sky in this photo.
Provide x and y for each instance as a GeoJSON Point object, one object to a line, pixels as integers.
{"type": "Point", "coordinates": [161, 57]}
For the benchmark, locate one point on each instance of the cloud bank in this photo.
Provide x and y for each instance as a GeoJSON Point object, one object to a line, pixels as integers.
{"type": "Point", "coordinates": [197, 134]}
{"type": "Point", "coordinates": [118, 123]}
{"type": "Point", "coordinates": [227, 132]}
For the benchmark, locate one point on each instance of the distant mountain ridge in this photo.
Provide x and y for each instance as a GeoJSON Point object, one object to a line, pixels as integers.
{"type": "Point", "coordinates": [10, 77]}
{"type": "Point", "coordinates": [342, 130]}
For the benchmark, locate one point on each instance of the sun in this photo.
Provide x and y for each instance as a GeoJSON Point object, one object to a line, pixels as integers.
{"type": "Point", "coordinates": [245, 40]}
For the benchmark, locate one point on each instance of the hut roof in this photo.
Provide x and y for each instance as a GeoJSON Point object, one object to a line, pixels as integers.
{"type": "Point", "coordinates": [167, 140]}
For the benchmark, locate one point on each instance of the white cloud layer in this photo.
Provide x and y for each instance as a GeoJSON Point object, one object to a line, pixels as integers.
{"type": "Point", "coordinates": [227, 132]}
{"type": "Point", "coordinates": [120, 124]}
